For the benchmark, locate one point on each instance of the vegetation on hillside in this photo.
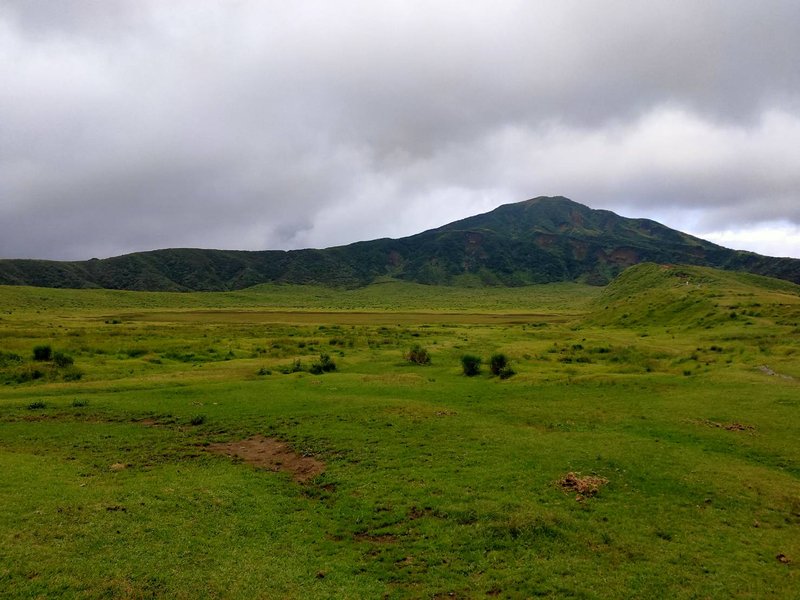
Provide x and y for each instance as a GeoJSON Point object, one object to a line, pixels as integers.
{"type": "Point", "coordinates": [537, 241]}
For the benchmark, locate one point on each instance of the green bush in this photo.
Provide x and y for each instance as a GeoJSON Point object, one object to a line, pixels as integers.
{"type": "Point", "coordinates": [497, 363]}
{"type": "Point", "coordinates": [36, 405]}
{"type": "Point", "coordinates": [62, 360]}
{"type": "Point", "coordinates": [72, 374]}
{"type": "Point", "coordinates": [324, 365]}
{"type": "Point", "coordinates": [471, 365]}
{"type": "Point", "coordinates": [295, 367]}
{"type": "Point", "coordinates": [42, 353]}
{"type": "Point", "coordinates": [197, 420]}
{"type": "Point", "coordinates": [418, 355]}
{"type": "Point", "coordinates": [506, 372]}
{"type": "Point", "coordinates": [9, 358]}
{"type": "Point", "coordinates": [135, 352]}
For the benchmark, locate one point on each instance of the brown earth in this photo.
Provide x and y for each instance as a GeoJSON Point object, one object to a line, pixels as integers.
{"type": "Point", "coordinates": [583, 486]}
{"type": "Point", "coordinates": [273, 455]}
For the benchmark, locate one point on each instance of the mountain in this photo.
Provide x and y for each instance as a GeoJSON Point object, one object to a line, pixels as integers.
{"type": "Point", "coordinates": [536, 241]}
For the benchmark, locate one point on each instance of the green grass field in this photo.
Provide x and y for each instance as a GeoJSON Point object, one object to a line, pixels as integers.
{"type": "Point", "coordinates": [677, 390]}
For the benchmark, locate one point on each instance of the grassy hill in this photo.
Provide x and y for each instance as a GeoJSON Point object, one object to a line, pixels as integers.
{"type": "Point", "coordinates": [537, 241]}
{"type": "Point", "coordinates": [649, 295]}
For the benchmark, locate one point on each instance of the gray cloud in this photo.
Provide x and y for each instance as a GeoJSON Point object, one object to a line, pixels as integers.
{"type": "Point", "coordinates": [135, 125]}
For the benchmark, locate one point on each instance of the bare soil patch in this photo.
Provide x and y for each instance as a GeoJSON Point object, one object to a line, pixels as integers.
{"type": "Point", "coordinates": [375, 538]}
{"type": "Point", "coordinates": [584, 486]}
{"type": "Point", "coordinates": [734, 426]}
{"type": "Point", "coordinates": [273, 455]}
{"type": "Point", "coordinates": [767, 371]}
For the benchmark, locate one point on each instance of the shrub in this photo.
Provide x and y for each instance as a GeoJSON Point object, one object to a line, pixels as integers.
{"type": "Point", "coordinates": [42, 353]}
{"type": "Point", "coordinates": [25, 374]}
{"type": "Point", "coordinates": [324, 365]}
{"type": "Point", "coordinates": [418, 355]}
{"type": "Point", "coordinates": [471, 365]}
{"type": "Point", "coordinates": [135, 352]}
{"type": "Point", "coordinates": [79, 403]}
{"type": "Point", "coordinates": [197, 420]}
{"type": "Point", "coordinates": [62, 360]}
{"type": "Point", "coordinates": [264, 371]}
{"type": "Point", "coordinates": [295, 367]}
{"type": "Point", "coordinates": [72, 374]}
{"type": "Point", "coordinates": [506, 372]}
{"type": "Point", "coordinates": [497, 363]}
{"type": "Point", "coordinates": [8, 358]}
{"type": "Point", "coordinates": [36, 405]}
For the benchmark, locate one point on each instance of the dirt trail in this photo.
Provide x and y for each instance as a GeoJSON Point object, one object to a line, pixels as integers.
{"type": "Point", "coordinates": [271, 454]}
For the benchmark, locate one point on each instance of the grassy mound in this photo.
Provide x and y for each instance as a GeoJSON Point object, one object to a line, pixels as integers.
{"type": "Point", "coordinates": [685, 296]}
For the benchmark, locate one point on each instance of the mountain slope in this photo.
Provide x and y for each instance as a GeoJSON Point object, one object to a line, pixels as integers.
{"type": "Point", "coordinates": [535, 241]}
{"type": "Point", "coordinates": [648, 295]}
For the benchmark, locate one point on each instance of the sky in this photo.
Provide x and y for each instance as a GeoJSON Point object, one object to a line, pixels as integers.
{"type": "Point", "coordinates": [130, 125]}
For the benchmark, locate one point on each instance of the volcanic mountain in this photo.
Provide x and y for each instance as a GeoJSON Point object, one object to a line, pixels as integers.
{"type": "Point", "coordinates": [542, 240]}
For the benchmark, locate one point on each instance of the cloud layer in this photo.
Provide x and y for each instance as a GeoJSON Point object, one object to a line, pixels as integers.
{"type": "Point", "coordinates": [136, 125]}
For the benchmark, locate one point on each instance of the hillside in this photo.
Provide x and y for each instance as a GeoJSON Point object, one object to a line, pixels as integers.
{"type": "Point", "coordinates": [649, 295]}
{"type": "Point", "coordinates": [536, 241]}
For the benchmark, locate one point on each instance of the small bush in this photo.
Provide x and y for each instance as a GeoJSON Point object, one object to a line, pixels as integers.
{"type": "Point", "coordinates": [497, 363]}
{"type": "Point", "coordinates": [197, 420]}
{"type": "Point", "coordinates": [264, 371]}
{"type": "Point", "coordinates": [25, 374]}
{"type": "Point", "coordinates": [295, 367]}
{"type": "Point", "coordinates": [9, 358]}
{"type": "Point", "coordinates": [79, 403]}
{"type": "Point", "coordinates": [39, 404]}
{"type": "Point", "coordinates": [471, 365]}
{"type": "Point", "coordinates": [506, 372]}
{"type": "Point", "coordinates": [135, 352]}
{"type": "Point", "coordinates": [324, 365]}
{"type": "Point", "coordinates": [62, 360]}
{"type": "Point", "coordinates": [72, 374]}
{"type": "Point", "coordinates": [42, 353]}
{"type": "Point", "coordinates": [418, 355]}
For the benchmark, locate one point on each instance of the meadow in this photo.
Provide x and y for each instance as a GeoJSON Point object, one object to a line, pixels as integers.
{"type": "Point", "coordinates": [276, 442]}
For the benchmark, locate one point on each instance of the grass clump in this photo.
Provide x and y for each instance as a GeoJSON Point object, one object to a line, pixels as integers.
{"type": "Point", "coordinates": [295, 367]}
{"type": "Point", "coordinates": [43, 353]}
{"type": "Point", "coordinates": [471, 365]}
{"type": "Point", "coordinates": [9, 359]}
{"type": "Point", "coordinates": [497, 363]}
{"type": "Point", "coordinates": [325, 364]}
{"type": "Point", "coordinates": [418, 355]}
{"type": "Point", "coordinates": [62, 360]}
{"type": "Point", "coordinates": [37, 405]}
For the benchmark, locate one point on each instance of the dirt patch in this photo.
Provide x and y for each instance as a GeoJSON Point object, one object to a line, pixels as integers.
{"type": "Point", "coordinates": [584, 486]}
{"type": "Point", "coordinates": [734, 426]}
{"type": "Point", "coordinates": [379, 538]}
{"type": "Point", "coordinates": [739, 427]}
{"type": "Point", "coordinates": [767, 371]}
{"type": "Point", "coordinates": [271, 454]}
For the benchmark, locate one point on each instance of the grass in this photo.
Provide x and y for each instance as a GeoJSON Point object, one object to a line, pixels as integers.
{"type": "Point", "coordinates": [435, 483]}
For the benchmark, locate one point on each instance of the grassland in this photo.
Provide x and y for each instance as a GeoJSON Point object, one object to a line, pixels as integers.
{"type": "Point", "coordinates": [678, 390]}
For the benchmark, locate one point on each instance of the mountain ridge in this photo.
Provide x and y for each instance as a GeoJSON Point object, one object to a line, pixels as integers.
{"type": "Point", "coordinates": [539, 240]}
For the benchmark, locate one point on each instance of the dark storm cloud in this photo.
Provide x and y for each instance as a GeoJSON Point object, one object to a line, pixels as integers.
{"type": "Point", "coordinates": [136, 125]}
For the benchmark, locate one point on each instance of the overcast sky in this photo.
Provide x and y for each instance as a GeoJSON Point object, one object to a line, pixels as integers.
{"type": "Point", "coordinates": [131, 125]}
